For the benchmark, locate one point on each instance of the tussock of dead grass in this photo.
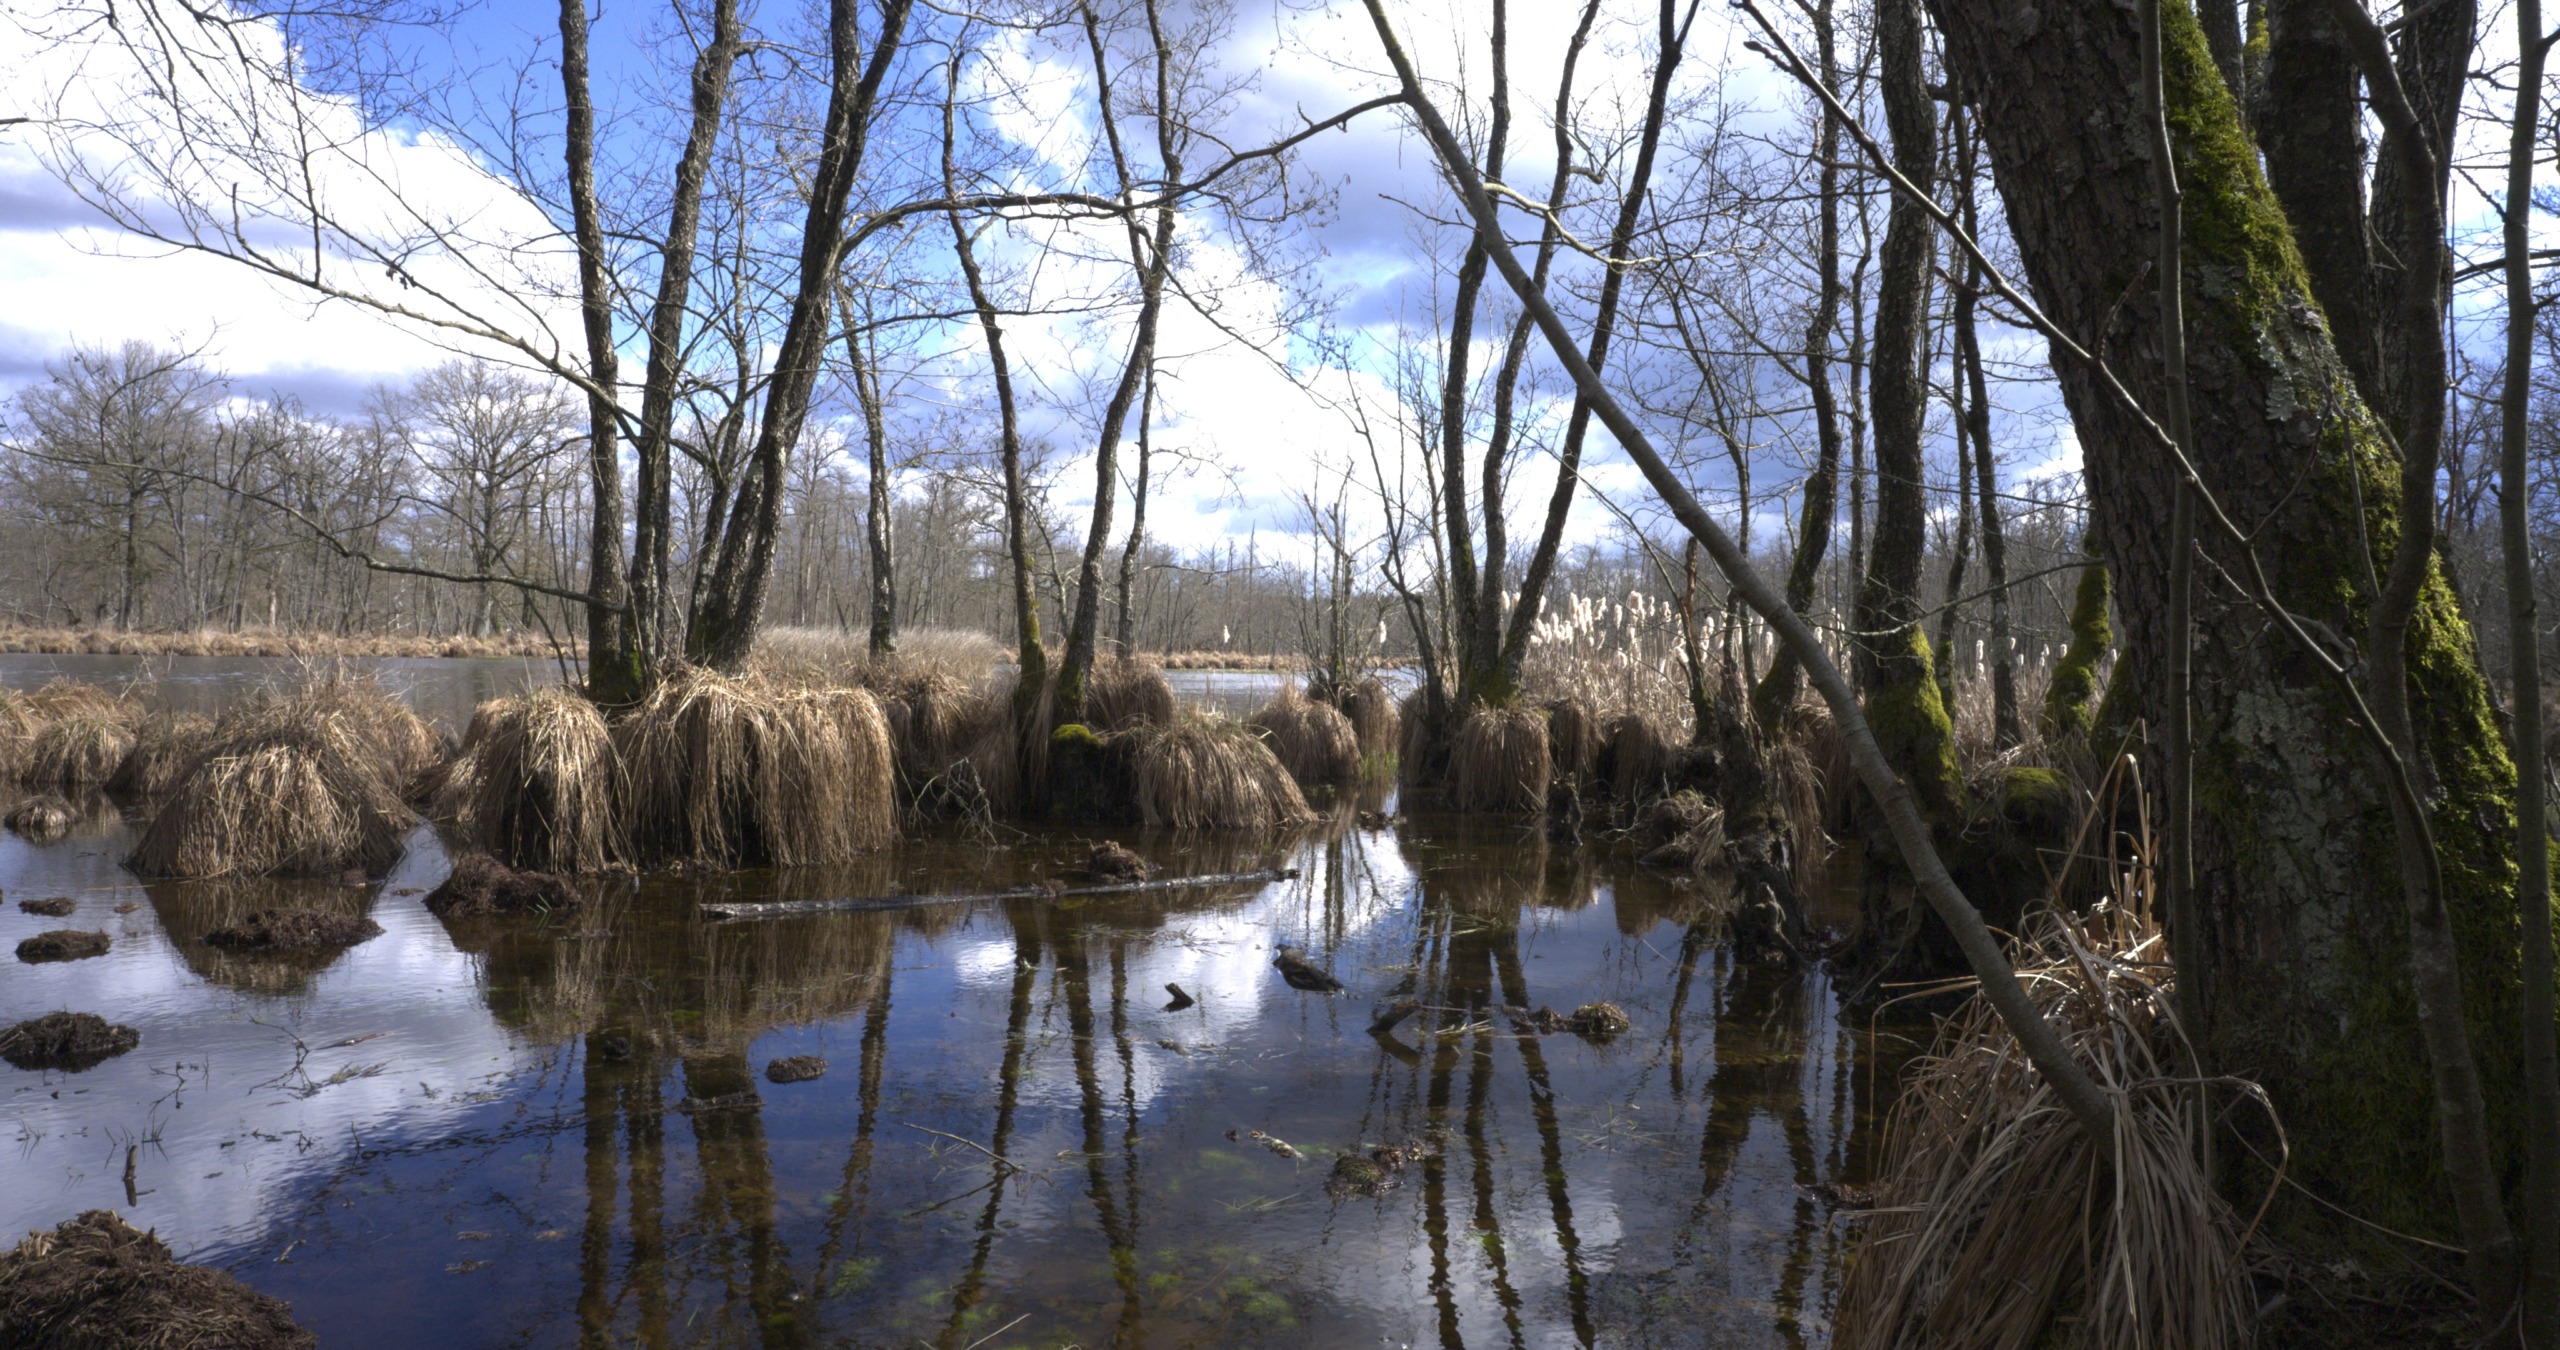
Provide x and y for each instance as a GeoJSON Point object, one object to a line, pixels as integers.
{"type": "Point", "coordinates": [744, 772]}
{"type": "Point", "coordinates": [1636, 758]}
{"type": "Point", "coordinates": [1124, 693]}
{"type": "Point", "coordinates": [1996, 1220]}
{"type": "Point", "coordinates": [1207, 773]}
{"type": "Point", "coordinates": [1372, 713]}
{"type": "Point", "coordinates": [1312, 740]}
{"type": "Point", "coordinates": [163, 748]}
{"type": "Point", "coordinates": [1573, 737]}
{"type": "Point", "coordinates": [1500, 761]}
{"type": "Point", "coordinates": [537, 784]}
{"type": "Point", "coordinates": [307, 782]}
{"type": "Point", "coordinates": [80, 750]}
{"type": "Point", "coordinates": [98, 1284]}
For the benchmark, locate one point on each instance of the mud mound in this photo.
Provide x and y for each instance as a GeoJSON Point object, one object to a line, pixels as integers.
{"type": "Point", "coordinates": [98, 1282]}
{"type": "Point", "coordinates": [53, 908]}
{"type": "Point", "coordinates": [795, 1069]}
{"type": "Point", "coordinates": [42, 819]}
{"type": "Point", "coordinates": [63, 944]}
{"type": "Point", "coordinates": [286, 929]}
{"type": "Point", "coordinates": [1114, 862]}
{"type": "Point", "coordinates": [481, 885]}
{"type": "Point", "coordinates": [68, 1041]}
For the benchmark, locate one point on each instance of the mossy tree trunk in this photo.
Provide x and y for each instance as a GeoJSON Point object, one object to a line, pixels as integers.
{"type": "Point", "coordinates": [2306, 941]}
{"type": "Point", "coordinates": [1893, 666]}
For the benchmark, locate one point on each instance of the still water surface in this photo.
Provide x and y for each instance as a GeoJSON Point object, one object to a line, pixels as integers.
{"type": "Point", "coordinates": [554, 1133]}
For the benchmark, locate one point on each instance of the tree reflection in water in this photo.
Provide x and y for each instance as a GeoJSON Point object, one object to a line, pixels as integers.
{"type": "Point", "coordinates": [1017, 1140]}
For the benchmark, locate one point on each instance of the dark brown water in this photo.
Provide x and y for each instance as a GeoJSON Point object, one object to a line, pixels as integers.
{"type": "Point", "coordinates": [553, 1133]}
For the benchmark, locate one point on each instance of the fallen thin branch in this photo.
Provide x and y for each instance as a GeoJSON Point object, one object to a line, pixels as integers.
{"type": "Point", "coordinates": [777, 909]}
{"type": "Point", "coordinates": [999, 1159]}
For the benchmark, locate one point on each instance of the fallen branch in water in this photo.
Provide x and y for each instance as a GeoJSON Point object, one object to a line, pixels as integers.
{"type": "Point", "coordinates": [778, 909]}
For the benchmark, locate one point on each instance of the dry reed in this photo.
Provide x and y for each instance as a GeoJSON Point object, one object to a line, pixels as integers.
{"type": "Point", "coordinates": [270, 642]}
{"type": "Point", "coordinates": [1999, 1226]}
{"type": "Point", "coordinates": [1208, 773]}
{"type": "Point", "coordinates": [1312, 740]}
{"type": "Point", "coordinates": [1499, 761]}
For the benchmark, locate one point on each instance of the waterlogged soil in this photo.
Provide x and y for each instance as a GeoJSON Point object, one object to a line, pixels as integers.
{"type": "Point", "coordinates": [555, 1131]}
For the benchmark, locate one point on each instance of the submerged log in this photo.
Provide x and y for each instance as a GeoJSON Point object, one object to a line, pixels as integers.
{"type": "Point", "coordinates": [778, 909]}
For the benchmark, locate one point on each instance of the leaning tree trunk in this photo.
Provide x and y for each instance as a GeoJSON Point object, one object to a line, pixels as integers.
{"type": "Point", "coordinates": [2306, 933]}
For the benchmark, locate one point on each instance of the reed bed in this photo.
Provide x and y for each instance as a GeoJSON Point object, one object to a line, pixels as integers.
{"type": "Point", "coordinates": [1211, 774]}
{"type": "Point", "coordinates": [1500, 761]}
{"type": "Point", "coordinates": [1312, 740]}
{"type": "Point", "coordinates": [843, 655]}
{"type": "Point", "coordinates": [1998, 1225]}
{"type": "Point", "coordinates": [273, 642]}
{"type": "Point", "coordinates": [742, 772]}
{"type": "Point", "coordinates": [306, 782]}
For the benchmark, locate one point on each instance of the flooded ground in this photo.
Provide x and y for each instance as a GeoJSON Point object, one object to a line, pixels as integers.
{"type": "Point", "coordinates": [554, 1133]}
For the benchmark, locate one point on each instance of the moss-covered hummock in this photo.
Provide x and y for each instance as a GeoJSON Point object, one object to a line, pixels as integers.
{"type": "Point", "coordinates": [1911, 725]}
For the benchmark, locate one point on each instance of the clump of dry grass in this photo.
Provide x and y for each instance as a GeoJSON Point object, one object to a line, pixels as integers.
{"type": "Point", "coordinates": [1573, 737]}
{"type": "Point", "coordinates": [80, 750]}
{"type": "Point", "coordinates": [935, 719]}
{"type": "Point", "coordinates": [1312, 740]}
{"type": "Point", "coordinates": [1371, 710]}
{"type": "Point", "coordinates": [19, 723]}
{"type": "Point", "coordinates": [743, 772]}
{"type": "Point", "coordinates": [67, 1041]}
{"type": "Point", "coordinates": [1125, 693]}
{"type": "Point", "coordinates": [1500, 761]}
{"type": "Point", "coordinates": [1996, 1220]}
{"type": "Point", "coordinates": [99, 1284]}
{"type": "Point", "coordinates": [1635, 759]}
{"type": "Point", "coordinates": [537, 783]}
{"type": "Point", "coordinates": [1208, 773]}
{"type": "Point", "coordinates": [42, 819]}
{"type": "Point", "coordinates": [307, 782]}
{"type": "Point", "coordinates": [163, 748]}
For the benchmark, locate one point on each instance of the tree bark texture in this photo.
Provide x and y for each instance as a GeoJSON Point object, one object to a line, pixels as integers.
{"type": "Point", "coordinates": [614, 668]}
{"type": "Point", "coordinates": [2304, 931]}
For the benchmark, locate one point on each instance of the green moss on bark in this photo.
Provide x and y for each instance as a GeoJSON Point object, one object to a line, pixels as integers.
{"type": "Point", "coordinates": [1911, 725]}
{"type": "Point", "coordinates": [2319, 1005]}
{"type": "Point", "coordinates": [2075, 677]}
